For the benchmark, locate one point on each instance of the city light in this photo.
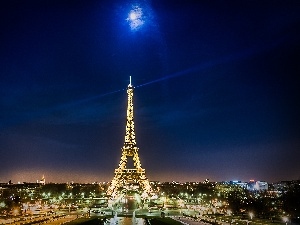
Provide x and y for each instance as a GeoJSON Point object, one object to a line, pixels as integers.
{"type": "Point", "coordinates": [251, 215]}
{"type": "Point", "coordinates": [285, 219]}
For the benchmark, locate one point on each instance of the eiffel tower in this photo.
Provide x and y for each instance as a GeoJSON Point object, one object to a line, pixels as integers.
{"type": "Point", "coordinates": [125, 177]}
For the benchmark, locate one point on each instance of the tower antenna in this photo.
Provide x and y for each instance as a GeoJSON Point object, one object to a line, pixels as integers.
{"type": "Point", "coordinates": [130, 81]}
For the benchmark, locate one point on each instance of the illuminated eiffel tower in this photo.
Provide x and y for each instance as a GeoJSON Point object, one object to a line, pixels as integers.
{"type": "Point", "coordinates": [125, 178]}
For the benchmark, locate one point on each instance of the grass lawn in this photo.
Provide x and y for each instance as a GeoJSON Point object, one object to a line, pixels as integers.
{"type": "Point", "coordinates": [86, 221]}
{"type": "Point", "coordinates": [164, 221]}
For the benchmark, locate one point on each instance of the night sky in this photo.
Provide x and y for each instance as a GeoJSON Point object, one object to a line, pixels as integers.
{"type": "Point", "coordinates": [217, 89]}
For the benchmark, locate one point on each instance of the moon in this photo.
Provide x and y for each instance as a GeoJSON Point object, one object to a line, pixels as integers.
{"type": "Point", "coordinates": [135, 18]}
{"type": "Point", "coordinates": [132, 16]}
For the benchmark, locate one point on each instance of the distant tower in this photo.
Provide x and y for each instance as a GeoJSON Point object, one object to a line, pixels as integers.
{"type": "Point", "coordinates": [125, 177]}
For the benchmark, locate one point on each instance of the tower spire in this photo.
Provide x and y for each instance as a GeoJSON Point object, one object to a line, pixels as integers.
{"type": "Point", "coordinates": [125, 177]}
{"type": "Point", "coordinates": [130, 133]}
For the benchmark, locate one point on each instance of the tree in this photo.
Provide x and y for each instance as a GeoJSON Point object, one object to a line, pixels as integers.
{"type": "Point", "coordinates": [291, 200]}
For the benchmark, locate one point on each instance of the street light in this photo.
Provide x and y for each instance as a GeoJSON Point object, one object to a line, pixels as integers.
{"type": "Point", "coordinates": [229, 212]}
{"type": "Point", "coordinates": [251, 215]}
{"type": "Point", "coordinates": [285, 219]}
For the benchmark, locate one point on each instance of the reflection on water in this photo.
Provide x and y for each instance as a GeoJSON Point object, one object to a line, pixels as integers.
{"type": "Point", "coordinates": [126, 221]}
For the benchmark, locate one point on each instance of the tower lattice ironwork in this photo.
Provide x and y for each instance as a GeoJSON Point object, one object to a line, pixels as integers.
{"type": "Point", "coordinates": [125, 177]}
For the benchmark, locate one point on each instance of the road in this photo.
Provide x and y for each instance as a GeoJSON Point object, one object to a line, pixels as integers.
{"type": "Point", "coordinates": [50, 221]}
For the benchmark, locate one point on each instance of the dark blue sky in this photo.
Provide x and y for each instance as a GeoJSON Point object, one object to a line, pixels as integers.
{"type": "Point", "coordinates": [217, 89]}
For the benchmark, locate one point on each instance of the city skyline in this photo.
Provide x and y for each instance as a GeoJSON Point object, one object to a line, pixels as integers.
{"type": "Point", "coordinates": [216, 89]}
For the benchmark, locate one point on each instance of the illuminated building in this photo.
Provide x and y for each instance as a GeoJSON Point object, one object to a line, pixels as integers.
{"type": "Point", "coordinates": [257, 185]}
{"type": "Point", "coordinates": [129, 178]}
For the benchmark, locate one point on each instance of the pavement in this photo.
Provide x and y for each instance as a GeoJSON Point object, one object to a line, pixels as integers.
{"type": "Point", "coordinates": [189, 221]}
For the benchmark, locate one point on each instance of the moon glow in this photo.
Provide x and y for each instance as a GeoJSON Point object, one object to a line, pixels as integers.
{"type": "Point", "coordinates": [135, 18]}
